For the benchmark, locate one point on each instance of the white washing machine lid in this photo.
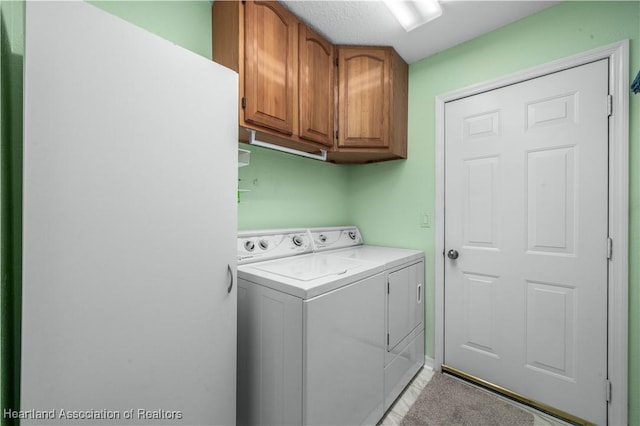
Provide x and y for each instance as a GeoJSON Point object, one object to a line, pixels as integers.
{"type": "Point", "coordinates": [309, 275]}
{"type": "Point", "coordinates": [389, 256]}
{"type": "Point", "coordinates": [307, 268]}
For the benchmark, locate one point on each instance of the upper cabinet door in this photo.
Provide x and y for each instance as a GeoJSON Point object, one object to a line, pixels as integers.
{"type": "Point", "coordinates": [270, 74]}
{"type": "Point", "coordinates": [316, 86]}
{"type": "Point", "coordinates": [363, 97]}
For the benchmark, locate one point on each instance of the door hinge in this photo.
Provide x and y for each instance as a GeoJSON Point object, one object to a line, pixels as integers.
{"type": "Point", "coordinates": [336, 135]}
{"type": "Point", "coordinates": [387, 339]}
{"type": "Point", "coordinates": [609, 105]}
{"type": "Point", "coordinates": [388, 287]}
{"type": "Point", "coordinates": [244, 102]}
{"type": "Point", "coordinates": [609, 247]}
{"type": "Point", "coordinates": [607, 384]}
{"type": "Point", "coordinates": [336, 61]}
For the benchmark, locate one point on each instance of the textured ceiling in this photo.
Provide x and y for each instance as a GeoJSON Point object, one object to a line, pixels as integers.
{"type": "Point", "coordinates": [371, 23]}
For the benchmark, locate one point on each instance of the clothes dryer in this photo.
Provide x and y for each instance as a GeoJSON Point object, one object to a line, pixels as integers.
{"type": "Point", "coordinates": [403, 305]}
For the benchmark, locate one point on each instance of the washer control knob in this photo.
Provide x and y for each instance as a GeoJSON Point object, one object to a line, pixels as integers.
{"type": "Point", "coordinates": [353, 235]}
{"type": "Point", "coordinates": [322, 238]}
{"type": "Point", "coordinates": [249, 245]}
{"type": "Point", "coordinates": [297, 241]}
{"type": "Point", "coordinates": [264, 244]}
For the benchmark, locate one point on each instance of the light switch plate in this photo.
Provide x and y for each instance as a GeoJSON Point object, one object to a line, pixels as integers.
{"type": "Point", "coordinates": [425, 220]}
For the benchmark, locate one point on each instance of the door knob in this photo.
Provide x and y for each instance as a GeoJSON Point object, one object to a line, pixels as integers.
{"type": "Point", "coordinates": [453, 254]}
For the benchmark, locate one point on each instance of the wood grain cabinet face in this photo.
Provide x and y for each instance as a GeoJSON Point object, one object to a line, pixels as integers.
{"type": "Point", "coordinates": [363, 97]}
{"type": "Point", "coordinates": [295, 96]}
{"type": "Point", "coordinates": [270, 74]}
{"type": "Point", "coordinates": [316, 87]}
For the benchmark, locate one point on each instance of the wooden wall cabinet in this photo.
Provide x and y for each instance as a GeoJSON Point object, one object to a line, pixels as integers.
{"type": "Point", "coordinates": [289, 82]}
{"type": "Point", "coordinates": [269, 68]}
{"type": "Point", "coordinates": [316, 87]}
{"type": "Point", "coordinates": [283, 68]}
{"type": "Point", "coordinates": [372, 105]}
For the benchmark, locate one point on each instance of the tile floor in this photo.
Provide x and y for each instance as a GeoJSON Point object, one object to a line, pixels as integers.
{"type": "Point", "coordinates": [404, 402]}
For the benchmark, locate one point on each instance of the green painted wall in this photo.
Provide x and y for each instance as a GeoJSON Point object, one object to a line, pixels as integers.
{"type": "Point", "coordinates": [187, 23]}
{"type": "Point", "coordinates": [387, 199]}
{"type": "Point", "coordinates": [291, 191]}
{"type": "Point", "coordinates": [11, 60]}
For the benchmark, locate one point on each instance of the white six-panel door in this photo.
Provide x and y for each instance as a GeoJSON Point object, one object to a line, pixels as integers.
{"type": "Point", "coordinates": [526, 210]}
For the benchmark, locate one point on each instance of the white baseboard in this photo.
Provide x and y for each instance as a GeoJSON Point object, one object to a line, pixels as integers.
{"type": "Point", "coordinates": [429, 362]}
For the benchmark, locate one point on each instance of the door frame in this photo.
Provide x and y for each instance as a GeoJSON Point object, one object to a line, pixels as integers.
{"type": "Point", "coordinates": [617, 351]}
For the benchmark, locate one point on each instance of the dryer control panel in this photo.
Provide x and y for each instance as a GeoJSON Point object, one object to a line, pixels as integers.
{"type": "Point", "coordinates": [335, 237]}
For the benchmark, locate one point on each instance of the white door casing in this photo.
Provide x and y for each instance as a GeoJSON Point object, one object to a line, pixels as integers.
{"type": "Point", "coordinates": [482, 168]}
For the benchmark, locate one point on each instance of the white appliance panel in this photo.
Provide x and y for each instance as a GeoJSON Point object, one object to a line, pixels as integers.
{"type": "Point", "coordinates": [335, 237]}
{"type": "Point", "coordinates": [129, 223]}
{"type": "Point", "coordinates": [259, 246]}
{"type": "Point", "coordinates": [405, 308]}
{"type": "Point", "coordinates": [344, 355]}
{"type": "Point", "coordinates": [270, 356]}
{"type": "Point", "coordinates": [402, 367]}
{"type": "Point", "coordinates": [404, 312]}
{"type": "Point", "coordinates": [390, 256]}
{"type": "Point", "coordinates": [309, 268]}
{"type": "Point", "coordinates": [325, 274]}
{"type": "Point", "coordinates": [312, 362]}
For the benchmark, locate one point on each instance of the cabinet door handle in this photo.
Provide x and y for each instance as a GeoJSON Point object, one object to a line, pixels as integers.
{"type": "Point", "coordinates": [230, 279]}
{"type": "Point", "coordinates": [419, 293]}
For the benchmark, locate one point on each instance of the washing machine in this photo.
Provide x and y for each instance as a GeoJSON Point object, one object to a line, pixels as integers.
{"type": "Point", "coordinates": [311, 341]}
{"type": "Point", "coordinates": [403, 304]}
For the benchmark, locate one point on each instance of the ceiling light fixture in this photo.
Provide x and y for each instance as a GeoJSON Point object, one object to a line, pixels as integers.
{"type": "Point", "coordinates": [413, 13]}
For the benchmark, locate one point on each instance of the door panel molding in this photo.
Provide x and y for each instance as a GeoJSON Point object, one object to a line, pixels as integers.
{"type": "Point", "coordinates": [618, 55]}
